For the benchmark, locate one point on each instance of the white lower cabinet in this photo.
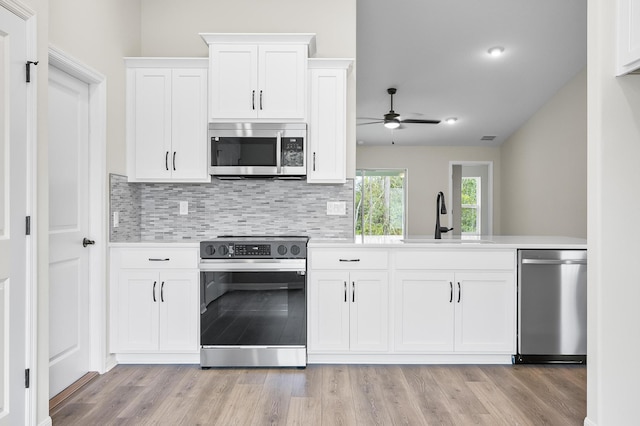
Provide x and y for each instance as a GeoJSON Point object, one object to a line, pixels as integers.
{"type": "Point", "coordinates": [454, 312]}
{"type": "Point", "coordinates": [348, 311]}
{"type": "Point", "coordinates": [154, 294]}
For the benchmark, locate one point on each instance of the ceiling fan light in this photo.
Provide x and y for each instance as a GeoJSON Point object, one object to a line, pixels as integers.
{"type": "Point", "coordinates": [496, 51]}
{"type": "Point", "coordinates": [451, 120]}
{"type": "Point", "coordinates": [392, 124]}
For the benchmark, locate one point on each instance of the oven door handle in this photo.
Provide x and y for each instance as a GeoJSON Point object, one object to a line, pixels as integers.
{"type": "Point", "coordinates": [253, 265]}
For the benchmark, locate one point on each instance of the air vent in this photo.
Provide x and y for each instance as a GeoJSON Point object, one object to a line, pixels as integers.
{"type": "Point", "coordinates": [487, 138]}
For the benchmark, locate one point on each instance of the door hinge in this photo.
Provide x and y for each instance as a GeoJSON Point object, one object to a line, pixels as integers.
{"type": "Point", "coordinates": [28, 74]}
{"type": "Point", "coordinates": [28, 225]}
{"type": "Point", "coordinates": [26, 378]}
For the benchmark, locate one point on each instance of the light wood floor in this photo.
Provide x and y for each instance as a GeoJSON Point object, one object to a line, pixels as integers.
{"type": "Point", "coordinates": [331, 395]}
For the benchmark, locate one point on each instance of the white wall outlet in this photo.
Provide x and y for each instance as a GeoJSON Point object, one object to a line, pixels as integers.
{"type": "Point", "coordinates": [336, 208]}
{"type": "Point", "coordinates": [116, 219]}
{"type": "Point", "coordinates": [184, 207]}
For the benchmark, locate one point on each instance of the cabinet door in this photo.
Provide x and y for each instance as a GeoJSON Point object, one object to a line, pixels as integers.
{"type": "Point", "coordinates": [152, 123]}
{"type": "Point", "coordinates": [328, 313]}
{"type": "Point", "coordinates": [178, 321]}
{"type": "Point", "coordinates": [234, 81]}
{"type": "Point", "coordinates": [485, 312]}
{"type": "Point", "coordinates": [281, 84]}
{"type": "Point", "coordinates": [424, 312]}
{"type": "Point", "coordinates": [369, 312]}
{"type": "Point", "coordinates": [189, 124]}
{"type": "Point", "coordinates": [137, 311]}
{"type": "Point", "coordinates": [327, 127]}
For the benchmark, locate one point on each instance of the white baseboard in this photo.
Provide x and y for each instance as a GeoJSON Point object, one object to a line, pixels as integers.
{"type": "Point", "coordinates": [46, 422]}
{"type": "Point", "coordinates": [588, 422]}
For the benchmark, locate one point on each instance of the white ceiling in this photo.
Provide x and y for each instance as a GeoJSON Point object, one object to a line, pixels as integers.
{"type": "Point", "coordinates": [435, 53]}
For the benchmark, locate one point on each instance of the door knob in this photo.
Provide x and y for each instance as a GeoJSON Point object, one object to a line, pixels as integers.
{"type": "Point", "coordinates": [87, 242]}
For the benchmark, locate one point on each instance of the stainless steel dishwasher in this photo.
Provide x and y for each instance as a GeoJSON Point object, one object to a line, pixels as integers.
{"type": "Point", "coordinates": [552, 306]}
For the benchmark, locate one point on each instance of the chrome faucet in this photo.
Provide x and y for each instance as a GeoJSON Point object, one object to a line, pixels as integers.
{"type": "Point", "coordinates": [440, 209]}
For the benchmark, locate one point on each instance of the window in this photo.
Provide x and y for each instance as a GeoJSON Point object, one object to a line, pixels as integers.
{"type": "Point", "coordinates": [380, 199]}
{"type": "Point", "coordinates": [471, 221]}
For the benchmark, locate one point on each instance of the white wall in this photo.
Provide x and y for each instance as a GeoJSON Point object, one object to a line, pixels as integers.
{"type": "Point", "coordinates": [170, 28]}
{"type": "Point", "coordinates": [544, 168]}
{"type": "Point", "coordinates": [613, 373]}
{"type": "Point", "coordinates": [428, 173]}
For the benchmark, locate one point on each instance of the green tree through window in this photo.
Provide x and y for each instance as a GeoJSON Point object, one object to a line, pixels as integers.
{"type": "Point", "coordinates": [379, 203]}
{"type": "Point", "coordinates": [470, 213]}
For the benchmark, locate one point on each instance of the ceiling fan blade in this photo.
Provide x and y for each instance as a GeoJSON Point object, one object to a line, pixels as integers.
{"type": "Point", "coordinates": [371, 122]}
{"type": "Point", "coordinates": [416, 121]}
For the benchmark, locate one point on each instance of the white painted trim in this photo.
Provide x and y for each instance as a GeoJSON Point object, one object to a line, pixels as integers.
{"type": "Point", "coordinates": [588, 422]}
{"type": "Point", "coordinates": [397, 358]}
{"type": "Point", "coordinates": [158, 358]}
{"type": "Point", "coordinates": [263, 38]}
{"type": "Point", "coordinates": [490, 208]}
{"type": "Point", "coordinates": [19, 9]}
{"type": "Point", "coordinates": [31, 277]}
{"type": "Point", "coordinates": [97, 199]}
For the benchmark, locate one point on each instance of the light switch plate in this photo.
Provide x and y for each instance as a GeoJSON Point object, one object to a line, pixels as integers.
{"type": "Point", "coordinates": [336, 208]}
{"type": "Point", "coordinates": [116, 219]}
{"type": "Point", "coordinates": [184, 207]}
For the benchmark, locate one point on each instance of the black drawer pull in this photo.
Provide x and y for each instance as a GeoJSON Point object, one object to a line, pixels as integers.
{"type": "Point", "coordinates": [349, 260]}
{"type": "Point", "coordinates": [152, 259]}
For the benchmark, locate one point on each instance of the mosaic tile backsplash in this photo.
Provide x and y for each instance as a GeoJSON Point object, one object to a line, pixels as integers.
{"type": "Point", "coordinates": [151, 211]}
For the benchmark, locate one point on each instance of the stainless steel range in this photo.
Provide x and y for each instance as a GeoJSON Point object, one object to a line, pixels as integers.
{"type": "Point", "coordinates": [253, 302]}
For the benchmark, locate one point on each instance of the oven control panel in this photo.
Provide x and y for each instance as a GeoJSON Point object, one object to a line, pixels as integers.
{"type": "Point", "coordinates": [277, 248]}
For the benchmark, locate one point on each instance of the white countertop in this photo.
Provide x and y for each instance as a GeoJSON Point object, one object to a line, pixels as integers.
{"type": "Point", "coordinates": [157, 243]}
{"type": "Point", "coordinates": [484, 242]}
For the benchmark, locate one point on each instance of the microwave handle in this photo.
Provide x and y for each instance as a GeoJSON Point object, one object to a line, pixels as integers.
{"type": "Point", "coordinates": [278, 152]}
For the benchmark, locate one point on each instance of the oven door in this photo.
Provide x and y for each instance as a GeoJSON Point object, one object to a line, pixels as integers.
{"type": "Point", "coordinates": [253, 313]}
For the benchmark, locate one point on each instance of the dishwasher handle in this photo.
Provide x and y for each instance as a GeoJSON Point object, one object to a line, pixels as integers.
{"type": "Point", "coordinates": [554, 261]}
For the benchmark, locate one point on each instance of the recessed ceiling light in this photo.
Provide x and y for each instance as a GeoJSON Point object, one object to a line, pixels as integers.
{"type": "Point", "coordinates": [496, 51]}
{"type": "Point", "coordinates": [450, 120]}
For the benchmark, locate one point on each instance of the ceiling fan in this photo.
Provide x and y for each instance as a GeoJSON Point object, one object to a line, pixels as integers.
{"type": "Point", "coordinates": [392, 120]}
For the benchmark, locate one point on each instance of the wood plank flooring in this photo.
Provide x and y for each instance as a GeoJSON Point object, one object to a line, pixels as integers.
{"type": "Point", "coordinates": [331, 395]}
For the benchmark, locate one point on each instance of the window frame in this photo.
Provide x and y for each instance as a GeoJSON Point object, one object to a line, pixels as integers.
{"type": "Point", "coordinates": [362, 173]}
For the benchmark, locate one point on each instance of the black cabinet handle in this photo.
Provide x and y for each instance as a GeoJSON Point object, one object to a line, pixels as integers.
{"type": "Point", "coordinates": [154, 290]}
{"type": "Point", "coordinates": [153, 259]}
{"type": "Point", "coordinates": [353, 291]}
{"type": "Point", "coordinates": [451, 292]}
{"type": "Point", "coordinates": [345, 291]}
{"type": "Point", "coordinates": [174, 161]}
{"type": "Point", "coordinates": [166, 161]}
{"type": "Point", "coordinates": [261, 100]}
{"type": "Point", "coordinates": [253, 100]}
{"type": "Point", "coordinates": [459, 292]}
{"type": "Point", "coordinates": [162, 292]}
{"type": "Point", "coordinates": [349, 260]}
{"type": "Point", "coordinates": [314, 161]}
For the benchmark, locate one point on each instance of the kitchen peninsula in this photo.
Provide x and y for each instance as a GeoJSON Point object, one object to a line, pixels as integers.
{"type": "Point", "coordinates": [417, 300]}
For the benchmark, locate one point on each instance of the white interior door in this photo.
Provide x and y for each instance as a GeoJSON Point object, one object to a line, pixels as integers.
{"type": "Point", "coordinates": [69, 351]}
{"type": "Point", "coordinates": [13, 203]}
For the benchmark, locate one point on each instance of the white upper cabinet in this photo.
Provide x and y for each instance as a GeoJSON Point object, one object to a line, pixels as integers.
{"type": "Point", "coordinates": [167, 120]}
{"type": "Point", "coordinates": [258, 76]}
{"type": "Point", "coordinates": [628, 36]}
{"type": "Point", "coordinates": [327, 145]}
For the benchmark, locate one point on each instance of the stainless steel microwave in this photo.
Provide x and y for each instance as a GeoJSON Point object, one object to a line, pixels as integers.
{"type": "Point", "coordinates": [257, 150]}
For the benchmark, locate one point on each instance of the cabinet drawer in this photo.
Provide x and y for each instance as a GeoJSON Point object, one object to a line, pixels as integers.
{"type": "Point", "coordinates": [160, 258]}
{"type": "Point", "coordinates": [349, 259]}
{"type": "Point", "coordinates": [454, 259]}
